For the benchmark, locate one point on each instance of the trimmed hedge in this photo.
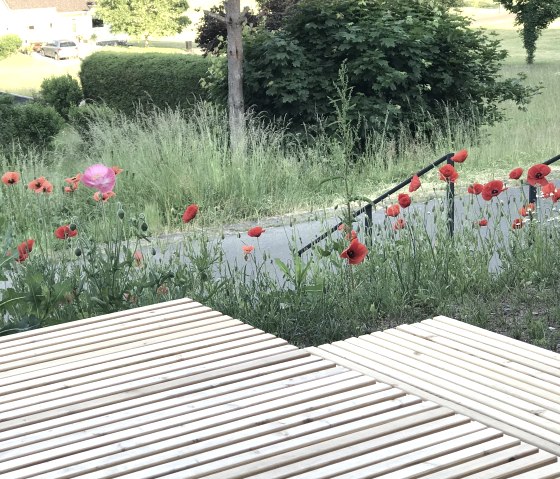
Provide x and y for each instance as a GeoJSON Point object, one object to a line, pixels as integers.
{"type": "Point", "coordinates": [123, 80]}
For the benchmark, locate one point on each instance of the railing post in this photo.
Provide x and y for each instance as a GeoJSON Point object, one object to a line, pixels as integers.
{"type": "Point", "coordinates": [450, 202]}
{"type": "Point", "coordinates": [369, 219]}
{"type": "Point", "coordinates": [533, 195]}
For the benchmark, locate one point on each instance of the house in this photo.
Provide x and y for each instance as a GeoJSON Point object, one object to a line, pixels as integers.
{"type": "Point", "coordinates": [44, 20]}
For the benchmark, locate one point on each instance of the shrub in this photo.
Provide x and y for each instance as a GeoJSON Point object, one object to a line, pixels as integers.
{"type": "Point", "coordinates": [61, 93]}
{"type": "Point", "coordinates": [409, 63]}
{"type": "Point", "coordinates": [9, 44]}
{"type": "Point", "coordinates": [30, 125]}
{"type": "Point", "coordinates": [83, 117]}
{"type": "Point", "coordinates": [123, 80]}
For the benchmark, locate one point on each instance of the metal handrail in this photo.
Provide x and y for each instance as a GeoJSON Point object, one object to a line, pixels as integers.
{"type": "Point", "coordinates": [368, 209]}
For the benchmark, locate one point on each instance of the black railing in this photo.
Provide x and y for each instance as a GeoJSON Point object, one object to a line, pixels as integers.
{"type": "Point", "coordinates": [533, 189]}
{"type": "Point", "coordinates": [368, 209]}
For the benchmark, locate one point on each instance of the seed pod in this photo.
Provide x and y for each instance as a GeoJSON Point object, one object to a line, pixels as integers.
{"type": "Point", "coordinates": [153, 252]}
{"type": "Point", "coordinates": [120, 214]}
{"type": "Point", "coordinates": [72, 227]}
{"type": "Point", "coordinates": [144, 227]}
{"type": "Point", "coordinates": [78, 252]}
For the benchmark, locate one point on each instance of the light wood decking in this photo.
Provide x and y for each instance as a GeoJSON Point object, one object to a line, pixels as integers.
{"type": "Point", "coordinates": [177, 390]}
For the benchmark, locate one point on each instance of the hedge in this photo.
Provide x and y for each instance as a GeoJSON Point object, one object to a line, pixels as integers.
{"type": "Point", "coordinates": [123, 80]}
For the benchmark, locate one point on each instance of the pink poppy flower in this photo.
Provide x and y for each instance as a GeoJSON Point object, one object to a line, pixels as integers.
{"type": "Point", "coordinates": [99, 177]}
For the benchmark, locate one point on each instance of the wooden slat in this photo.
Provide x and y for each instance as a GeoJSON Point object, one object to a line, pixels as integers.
{"type": "Point", "coordinates": [269, 417]}
{"type": "Point", "coordinates": [423, 384]}
{"type": "Point", "coordinates": [230, 461]}
{"type": "Point", "coordinates": [94, 322]}
{"type": "Point", "coordinates": [285, 366]}
{"type": "Point", "coordinates": [501, 339]}
{"type": "Point", "coordinates": [525, 464]}
{"type": "Point", "coordinates": [552, 471]}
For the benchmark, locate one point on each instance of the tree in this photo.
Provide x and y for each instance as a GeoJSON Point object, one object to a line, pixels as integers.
{"type": "Point", "coordinates": [534, 16]}
{"type": "Point", "coordinates": [144, 18]}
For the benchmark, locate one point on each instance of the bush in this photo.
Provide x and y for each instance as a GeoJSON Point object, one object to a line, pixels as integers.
{"type": "Point", "coordinates": [9, 44]}
{"type": "Point", "coordinates": [409, 64]}
{"type": "Point", "coordinates": [61, 93]}
{"type": "Point", "coordinates": [83, 117]}
{"type": "Point", "coordinates": [123, 80]}
{"type": "Point", "coordinates": [30, 125]}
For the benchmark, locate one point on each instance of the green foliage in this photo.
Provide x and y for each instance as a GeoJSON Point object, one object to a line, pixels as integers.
{"type": "Point", "coordinates": [274, 12]}
{"type": "Point", "coordinates": [61, 93]}
{"type": "Point", "coordinates": [124, 80]}
{"type": "Point", "coordinates": [144, 18]}
{"type": "Point", "coordinates": [533, 16]}
{"type": "Point", "coordinates": [408, 65]}
{"type": "Point", "coordinates": [31, 125]}
{"type": "Point", "coordinates": [9, 44]}
{"type": "Point", "coordinates": [82, 118]}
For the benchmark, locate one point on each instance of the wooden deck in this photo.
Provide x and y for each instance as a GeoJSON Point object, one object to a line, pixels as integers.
{"type": "Point", "coordinates": [177, 390]}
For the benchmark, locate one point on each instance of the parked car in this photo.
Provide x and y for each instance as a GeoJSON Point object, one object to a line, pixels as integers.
{"type": "Point", "coordinates": [60, 49]}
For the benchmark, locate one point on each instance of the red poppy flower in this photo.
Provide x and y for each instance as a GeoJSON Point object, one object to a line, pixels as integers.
{"type": "Point", "coordinates": [393, 210]}
{"type": "Point", "coordinates": [492, 188]}
{"type": "Point", "coordinates": [399, 224]}
{"type": "Point", "coordinates": [525, 210]}
{"type": "Point", "coordinates": [98, 196]}
{"type": "Point", "coordinates": [46, 187]}
{"type": "Point", "coordinates": [556, 195]}
{"type": "Point", "coordinates": [351, 236]}
{"type": "Point", "coordinates": [117, 170]}
{"type": "Point", "coordinates": [36, 184]}
{"type": "Point", "coordinates": [341, 227]}
{"type": "Point", "coordinates": [190, 213]}
{"type": "Point", "coordinates": [448, 173]}
{"type": "Point", "coordinates": [404, 200]}
{"type": "Point", "coordinates": [414, 184]}
{"type": "Point", "coordinates": [69, 189]}
{"type": "Point", "coordinates": [355, 253]}
{"type": "Point", "coordinates": [537, 174]}
{"type": "Point", "coordinates": [255, 232]}
{"type": "Point", "coordinates": [25, 247]}
{"type": "Point", "coordinates": [483, 222]}
{"type": "Point", "coordinates": [475, 189]}
{"type": "Point", "coordinates": [548, 190]}
{"type": "Point", "coordinates": [74, 180]}
{"type": "Point", "coordinates": [247, 249]}
{"type": "Point", "coordinates": [516, 173]}
{"type": "Point", "coordinates": [460, 156]}
{"type": "Point", "coordinates": [10, 178]}
{"type": "Point", "coordinates": [138, 257]}
{"type": "Point", "coordinates": [64, 232]}
{"type": "Point", "coordinates": [517, 224]}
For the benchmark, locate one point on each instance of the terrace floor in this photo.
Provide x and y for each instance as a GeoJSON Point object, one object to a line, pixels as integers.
{"type": "Point", "coordinates": [177, 390]}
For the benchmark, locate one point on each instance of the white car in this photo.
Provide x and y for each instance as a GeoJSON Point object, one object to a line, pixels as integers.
{"type": "Point", "coordinates": [60, 49]}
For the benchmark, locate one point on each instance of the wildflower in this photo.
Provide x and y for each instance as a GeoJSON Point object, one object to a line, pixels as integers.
{"type": "Point", "coordinates": [492, 188]}
{"type": "Point", "coordinates": [65, 232]}
{"type": "Point", "coordinates": [162, 289]}
{"type": "Point", "coordinates": [448, 173]}
{"type": "Point", "coordinates": [100, 177]}
{"type": "Point", "coordinates": [483, 222]}
{"type": "Point", "coordinates": [190, 213]}
{"type": "Point", "coordinates": [399, 224]}
{"type": "Point", "coordinates": [548, 190]}
{"type": "Point", "coordinates": [10, 178]}
{"type": "Point", "coordinates": [37, 183]}
{"type": "Point", "coordinates": [414, 184]}
{"type": "Point", "coordinates": [68, 189]}
{"type": "Point", "coordinates": [255, 232]}
{"type": "Point", "coordinates": [74, 181]}
{"type": "Point", "coordinates": [525, 210]}
{"type": "Point", "coordinates": [537, 174]}
{"type": "Point", "coordinates": [393, 210]}
{"type": "Point", "coordinates": [404, 200]}
{"type": "Point", "coordinates": [138, 257]}
{"type": "Point", "coordinates": [117, 170]}
{"type": "Point", "coordinates": [247, 249]}
{"type": "Point", "coordinates": [517, 224]}
{"type": "Point", "coordinates": [98, 196]}
{"type": "Point", "coordinates": [355, 253]}
{"type": "Point", "coordinates": [516, 173]}
{"type": "Point", "coordinates": [460, 156]}
{"type": "Point", "coordinates": [46, 187]}
{"type": "Point", "coordinates": [475, 189]}
{"type": "Point", "coordinates": [351, 236]}
{"type": "Point", "coordinates": [26, 246]}
{"type": "Point", "coordinates": [556, 195]}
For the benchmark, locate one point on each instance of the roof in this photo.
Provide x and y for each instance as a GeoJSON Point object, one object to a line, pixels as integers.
{"type": "Point", "coordinates": [60, 5]}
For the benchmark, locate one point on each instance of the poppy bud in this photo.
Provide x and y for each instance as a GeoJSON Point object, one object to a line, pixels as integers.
{"type": "Point", "coordinates": [72, 227]}
{"type": "Point", "coordinates": [144, 227]}
{"type": "Point", "coordinates": [153, 251]}
{"type": "Point", "coordinates": [120, 214]}
{"type": "Point", "coordinates": [78, 252]}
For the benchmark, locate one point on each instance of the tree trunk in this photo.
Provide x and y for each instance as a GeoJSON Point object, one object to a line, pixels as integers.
{"type": "Point", "coordinates": [235, 76]}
